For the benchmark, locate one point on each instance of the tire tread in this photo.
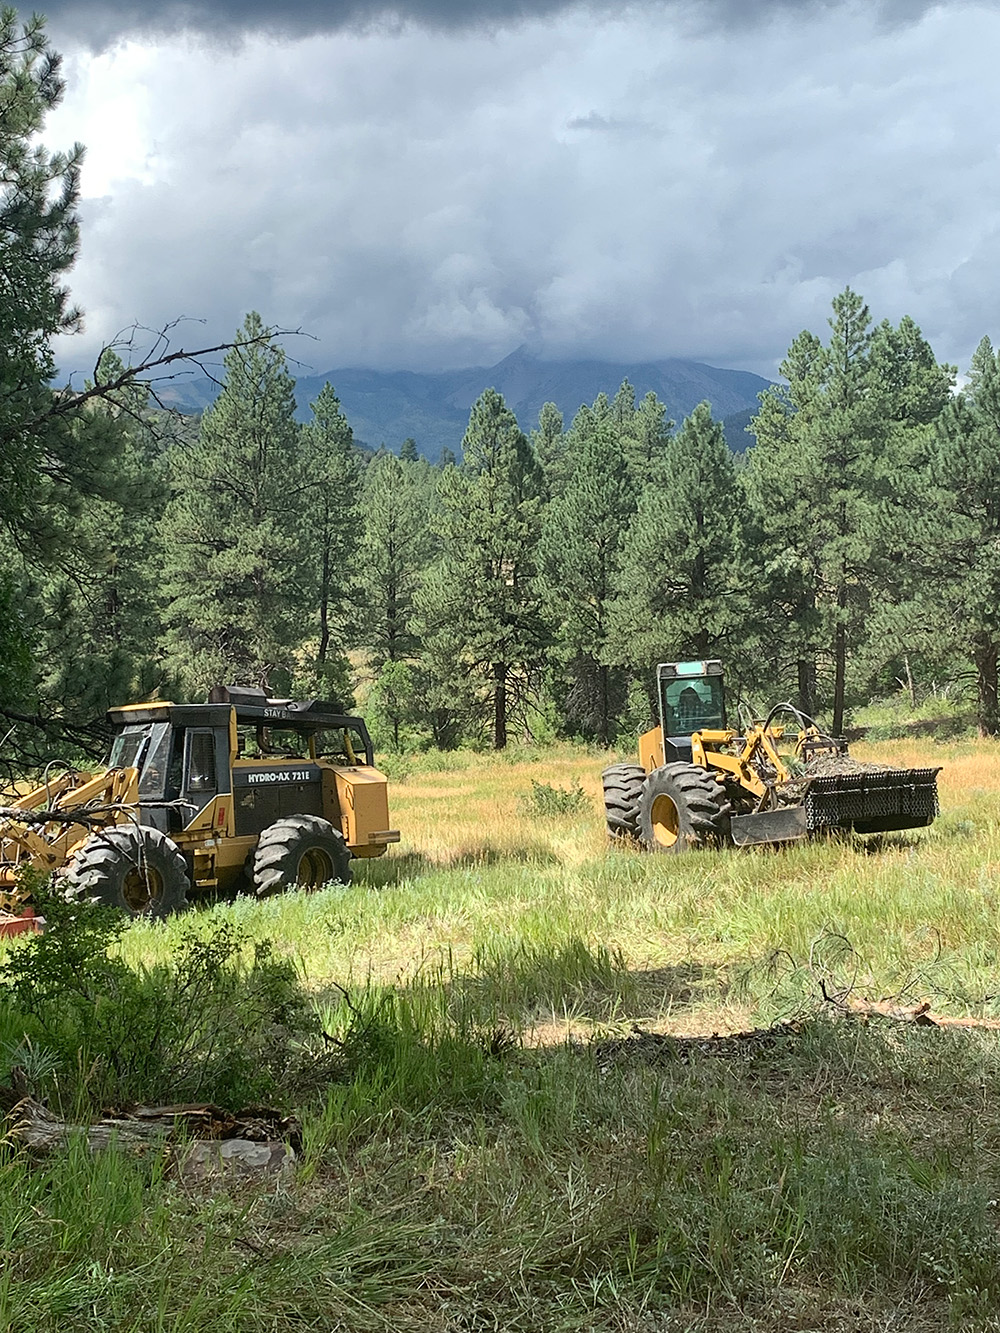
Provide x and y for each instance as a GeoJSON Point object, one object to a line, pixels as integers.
{"type": "Point", "coordinates": [622, 790]}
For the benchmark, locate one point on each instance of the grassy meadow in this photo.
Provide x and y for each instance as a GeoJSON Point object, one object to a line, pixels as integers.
{"type": "Point", "coordinates": [490, 1143]}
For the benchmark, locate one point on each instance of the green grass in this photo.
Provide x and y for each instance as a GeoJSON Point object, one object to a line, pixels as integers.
{"type": "Point", "coordinates": [475, 1158]}
{"type": "Point", "coordinates": [943, 714]}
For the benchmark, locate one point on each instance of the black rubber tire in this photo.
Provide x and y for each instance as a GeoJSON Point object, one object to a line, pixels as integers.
{"type": "Point", "coordinates": [135, 868]}
{"type": "Point", "coordinates": [301, 851]}
{"type": "Point", "coordinates": [622, 790]}
{"type": "Point", "coordinates": [683, 807]}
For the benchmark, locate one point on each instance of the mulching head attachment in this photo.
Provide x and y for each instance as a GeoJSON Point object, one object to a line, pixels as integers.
{"type": "Point", "coordinates": [873, 800]}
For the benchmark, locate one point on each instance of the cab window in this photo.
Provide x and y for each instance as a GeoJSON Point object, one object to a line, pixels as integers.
{"type": "Point", "coordinates": [344, 745]}
{"type": "Point", "coordinates": [259, 742]}
{"type": "Point", "coordinates": [156, 769]}
{"type": "Point", "coordinates": [200, 768]}
{"type": "Point", "coordinates": [692, 704]}
{"type": "Point", "coordinates": [128, 747]}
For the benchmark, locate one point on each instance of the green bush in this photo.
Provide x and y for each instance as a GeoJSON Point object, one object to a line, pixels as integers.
{"type": "Point", "coordinates": [218, 1022]}
{"type": "Point", "coordinates": [545, 799]}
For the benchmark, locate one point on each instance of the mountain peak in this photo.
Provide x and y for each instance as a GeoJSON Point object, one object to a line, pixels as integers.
{"type": "Point", "coordinates": [520, 356]}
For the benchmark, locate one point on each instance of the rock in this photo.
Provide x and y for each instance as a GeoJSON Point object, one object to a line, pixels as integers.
{"type": "Point", "coordinates": [238, 1159]}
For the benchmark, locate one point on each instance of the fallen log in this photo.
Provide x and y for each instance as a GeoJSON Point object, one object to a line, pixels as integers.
{"type": "Point", "coordinates": [648, 1047]}
{"type": "Point", "coordinates": [920, 1013]}
{"type": "Point", "coordinates": [198, 1141]}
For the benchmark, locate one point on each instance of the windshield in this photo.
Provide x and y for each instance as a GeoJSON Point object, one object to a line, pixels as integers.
{"type": "Point", "coordinates": [128, 747]}
{"type": "Point", "coordinates": [692, 704]}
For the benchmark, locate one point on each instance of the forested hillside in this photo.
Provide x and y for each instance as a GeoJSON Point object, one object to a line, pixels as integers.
{"type": "Point", "coordinates": [525, 588]}
{"type": "Point", "coordinates": [387, 408]}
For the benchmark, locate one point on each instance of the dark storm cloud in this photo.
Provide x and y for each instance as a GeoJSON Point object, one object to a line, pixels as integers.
{"type": "Point", "coordinates": [642, 185]}
{"type": "Point", "coordinates": [98, 22]}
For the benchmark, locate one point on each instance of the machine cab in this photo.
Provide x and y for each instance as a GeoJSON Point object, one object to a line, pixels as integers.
{"type": "Point", "coordinates": [691, 698]}
{"type": "Point", "coordinates": [266, 756]}
{"type": "Point", "coordinates": [181, 767]}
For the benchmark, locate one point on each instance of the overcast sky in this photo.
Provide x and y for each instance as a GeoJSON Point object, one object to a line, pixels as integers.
{"type": "Point", "coordinates": [430, 184]}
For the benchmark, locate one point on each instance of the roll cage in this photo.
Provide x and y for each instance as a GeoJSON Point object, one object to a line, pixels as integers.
{"type": "Point", "coordinates": [186, 750]}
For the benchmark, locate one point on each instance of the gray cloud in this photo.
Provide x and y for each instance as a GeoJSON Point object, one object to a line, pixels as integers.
{"type": "Point", "coordinates": [594, 122]}
{"type": "Point", "coordinates": [626, 187]}
{"type": "Point", "coordinates": [97, 22]}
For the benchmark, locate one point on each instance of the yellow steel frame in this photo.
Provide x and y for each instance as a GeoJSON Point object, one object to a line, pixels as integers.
{"type": "Point", "coordinates": [708, 750]}
{"type": "Point", "coordinates": [51, 844]}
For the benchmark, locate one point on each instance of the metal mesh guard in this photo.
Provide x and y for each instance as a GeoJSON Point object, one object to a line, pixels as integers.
{"type": "Point", "coordinates": [844, 798]}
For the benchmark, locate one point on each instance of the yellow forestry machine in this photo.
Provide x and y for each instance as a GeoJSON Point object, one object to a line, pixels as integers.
{"type": "Point", "coordinates": [699, 783]}
{"type": "Point", "coordinates": [241, 791]}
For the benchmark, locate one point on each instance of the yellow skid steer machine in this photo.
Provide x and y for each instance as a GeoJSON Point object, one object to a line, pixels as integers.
{"type": "Point", "coordinates": [701, 783]}
{"type": "Point", "coordinates": [241, 790]}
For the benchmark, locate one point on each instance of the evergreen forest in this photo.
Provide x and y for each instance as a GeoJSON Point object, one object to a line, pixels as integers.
{"type": "Point", "coordinates": [524, 590]}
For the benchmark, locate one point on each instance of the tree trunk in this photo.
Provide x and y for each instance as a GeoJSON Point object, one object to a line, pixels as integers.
{"type": "Point", "coordinates": [324, 608]}
{"type": "Point", "coordinates": [988, 708]}
{"type": "Point", "coordinates": [499, 705]}
{"type": "Point", "coordinates": [911, 688]}
{"type": "Point", "coordinates": [839, 663]}
{"type": "Point", "coordinates": [839, 668]}
{"type": "Point", "coordinates": [605, 707]}
{"type": "Point", "coordinates": [806, 670]}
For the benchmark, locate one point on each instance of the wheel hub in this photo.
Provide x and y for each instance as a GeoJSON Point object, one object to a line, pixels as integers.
{"type": "Point", "coordinates": [142, 888]}
{"type": "Point", "coordinates": [665, 820]}
{"type": "Point", "coordinates": [314, 869]}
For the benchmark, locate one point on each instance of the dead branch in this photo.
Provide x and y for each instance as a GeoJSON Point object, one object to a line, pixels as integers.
{"type": "Point", "coordinates": [919, 1014]}
{"type": "Point", "coordinates": [65, 403]}
{"type": "Point", "coordinates": [198, 1141]}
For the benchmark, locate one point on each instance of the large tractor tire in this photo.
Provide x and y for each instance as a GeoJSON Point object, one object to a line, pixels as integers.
{"type": "Point", "coordinates": [302, 851]}
{"type": "Point", "coordinates": [137, 869]}
{"type": "Point", "coordinates": [682, 807]}
{"type": "Point", "coordinates": [622, 791]}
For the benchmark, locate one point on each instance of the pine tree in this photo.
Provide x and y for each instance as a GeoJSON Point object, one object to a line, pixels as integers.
{"type": "Point", "coordinates": [395, 548]}
{"type": "Point", "coordinates": [679, 587]}
{"type": "Point", "coordinates": [824, 480]}
{"type": "Point", "coordinates": [97, 623]}
{"type": "Point", "coordinates": [408, 450]}
{"type": "Point", "coordinates": [961, 554]}
{"type": "Point", "coordinates": [39, 235]}
{"type": "Point", "coordinates": [622, 409]}
{"type": "Point", "coordinates": [580, 555]}
{"type": "Point", "coordinates": [482, 607]}
{"type": "Point", "coordinates": [235, 569]}
{"type": "Point", "coordinates": [39, 463]}
{"type": "Point", "coordinates": [331, 524]}
{"type": "Point", "coordinates": [646, 437]}
{"type": "Point", "coordinates": [549, 446]}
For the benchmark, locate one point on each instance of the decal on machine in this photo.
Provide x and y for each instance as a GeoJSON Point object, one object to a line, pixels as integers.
{"type": "Point", "coordinates": [266, 777]}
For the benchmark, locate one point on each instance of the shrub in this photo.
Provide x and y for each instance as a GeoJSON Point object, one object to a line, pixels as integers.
{"type": "Point", "coordinates": [211, 1024]}
{"type": "Point", "coordinates": [545, 799]}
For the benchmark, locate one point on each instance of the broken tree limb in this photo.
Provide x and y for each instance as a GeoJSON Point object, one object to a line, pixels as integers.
{"type": "Point", "coordinates": [919, 1014]}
